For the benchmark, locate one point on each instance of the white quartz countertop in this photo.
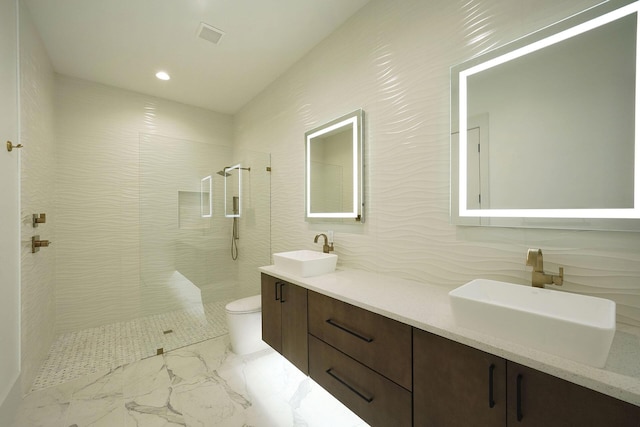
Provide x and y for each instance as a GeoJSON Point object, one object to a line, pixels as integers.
{"type": "Point", "coordinates": [427, 307]}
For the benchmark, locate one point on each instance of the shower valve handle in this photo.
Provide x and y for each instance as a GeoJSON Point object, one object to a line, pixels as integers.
{"type": "Point", "coordinates": [36, 244]}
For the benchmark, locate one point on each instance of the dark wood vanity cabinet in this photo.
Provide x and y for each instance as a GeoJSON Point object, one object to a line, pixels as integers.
{"type": "Point", "coordinates": [538, 399]}
{"type": "Point", "coordinates": [363, 359]}
{"type": "Point", "coordinates": [391, 374]}
{"type": "Point", "coordinates": [456, 385]}
{"type": "Point", "coordinates": [284, 320]}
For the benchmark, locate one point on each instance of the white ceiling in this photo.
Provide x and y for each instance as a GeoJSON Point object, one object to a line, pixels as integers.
{"type": "Point", "coordinates": [123, 43]}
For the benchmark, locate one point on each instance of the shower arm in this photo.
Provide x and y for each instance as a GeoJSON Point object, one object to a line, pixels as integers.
{"type": "Point", "coordinates": [224, 172]}
{"type": "Point", "coordinates": [242, 169]}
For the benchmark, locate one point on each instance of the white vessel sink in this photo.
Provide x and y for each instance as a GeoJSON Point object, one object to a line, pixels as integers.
{"type": "Point", "coordinates": [305, 263]}
{"type": "Point", "coordinates": [577, 327]}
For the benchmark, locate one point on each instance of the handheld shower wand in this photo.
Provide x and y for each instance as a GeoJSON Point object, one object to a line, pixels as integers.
{"type": "Point", "coordinates": [235, 235]}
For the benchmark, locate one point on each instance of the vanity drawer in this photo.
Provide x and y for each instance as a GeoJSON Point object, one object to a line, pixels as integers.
{"type": "Point", "coordinates": [374, 398]}
{"type": "Point", "coordinates": [378, 342]}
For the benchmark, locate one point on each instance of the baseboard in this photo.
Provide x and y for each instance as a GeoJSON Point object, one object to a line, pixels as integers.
{"type": "Point", "coordinates": [9, 408]}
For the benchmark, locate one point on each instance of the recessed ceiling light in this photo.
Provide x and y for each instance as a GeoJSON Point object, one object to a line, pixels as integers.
{"type": "Point", "coordinates": [162, 75]}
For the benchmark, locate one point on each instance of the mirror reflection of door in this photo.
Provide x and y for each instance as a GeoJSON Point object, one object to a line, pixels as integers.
{"type": "Point", "coordinates": [474, 195]}
{"type": "Point", "coordinates": [478, 195]}
{"type": "Point", "coordinates": [326, 187]}
{"type": "Point", "coordinates": [332, 172]}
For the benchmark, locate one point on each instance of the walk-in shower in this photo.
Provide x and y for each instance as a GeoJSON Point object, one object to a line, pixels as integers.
{"type": "Point", "coordinates": [184, 260]}
{"type": "Point", "coordinates": [184, 275]}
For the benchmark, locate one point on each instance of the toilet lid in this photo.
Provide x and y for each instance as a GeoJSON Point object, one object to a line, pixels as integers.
{"type": "Point", "coordinates": [245, 305]}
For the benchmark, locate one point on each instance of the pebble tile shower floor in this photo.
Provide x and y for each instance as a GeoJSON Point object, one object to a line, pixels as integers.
{"type": "Point", "coordinates": [88, 351]}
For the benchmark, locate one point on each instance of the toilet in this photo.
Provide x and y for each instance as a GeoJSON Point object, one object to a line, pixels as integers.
{"type": "Point", "coordinates": [244, 318]}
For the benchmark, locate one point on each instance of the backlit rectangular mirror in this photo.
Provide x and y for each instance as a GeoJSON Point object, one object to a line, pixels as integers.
{"type": "Point", "coordinates": [544, 129]}
{"type": "Point", "coordinates": [334, 175]}
{"type": "Point", "coordinates": [205, 197]}
{"type": "Point", "coordinates": [233, 191]}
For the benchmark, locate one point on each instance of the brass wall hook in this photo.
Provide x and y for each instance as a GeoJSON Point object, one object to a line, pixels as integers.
{"type": "Point", "coordinates": [10, 146]}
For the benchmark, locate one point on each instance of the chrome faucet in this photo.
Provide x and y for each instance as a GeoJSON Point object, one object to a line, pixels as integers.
{"type": "Point", "coordinates": [538, 277]}
{"type": "Point", "coordinates": [327, 247]}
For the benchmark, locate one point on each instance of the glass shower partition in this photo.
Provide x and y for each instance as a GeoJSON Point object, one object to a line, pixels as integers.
{"type": "Point", "coordinates": [187, 274]}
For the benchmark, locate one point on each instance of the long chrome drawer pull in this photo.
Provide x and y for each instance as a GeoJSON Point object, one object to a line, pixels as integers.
{"type": "Point", "coordinates": [350, 387]}
{"type": "Point", "coordinates": [355, 334]}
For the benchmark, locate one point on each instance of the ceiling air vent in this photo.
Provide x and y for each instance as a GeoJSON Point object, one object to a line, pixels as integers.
{"type": "Point", "coordinates": [209, 33]}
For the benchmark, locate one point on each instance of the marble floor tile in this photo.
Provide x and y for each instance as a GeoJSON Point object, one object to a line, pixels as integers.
{"type": "Point", "coordinates": [145, 376]}
{"type": "Point", "coordinates": [202, 385]}
{"type": "Point", "coordinates": [44, 408]}
{"type": "Point", "coordinates": [99, 412]}
{"type": "Point", "coordinates": [155, 408]}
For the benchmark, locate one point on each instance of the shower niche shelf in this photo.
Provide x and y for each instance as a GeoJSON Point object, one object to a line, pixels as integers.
{"type": "Point", "coordinates": [189, 211]}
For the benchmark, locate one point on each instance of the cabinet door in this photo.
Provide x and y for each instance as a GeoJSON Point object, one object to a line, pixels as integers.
{"type": "Point", "coordinates": [456, 385]}
{"type": "Point", "coordinates": [538, 399]}
{"type": "Point", "coordinates": [295, 345]}
{"type": "Point", "coordinates": [271, 290]}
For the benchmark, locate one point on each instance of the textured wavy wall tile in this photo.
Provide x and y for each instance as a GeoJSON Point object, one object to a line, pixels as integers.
{"type": "Point", "coordinates": [393, 59]}
{"type": "Point", "coordinates": [101, 214]}
{"type": "Point", "coordinates": [37, 196]}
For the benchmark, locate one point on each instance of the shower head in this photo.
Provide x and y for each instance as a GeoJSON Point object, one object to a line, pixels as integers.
{"type": "Point", "coordinates": [224, 172]}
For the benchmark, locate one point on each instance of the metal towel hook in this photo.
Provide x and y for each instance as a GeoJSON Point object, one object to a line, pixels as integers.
{"type": "Point", "coordinates": [10, 146]}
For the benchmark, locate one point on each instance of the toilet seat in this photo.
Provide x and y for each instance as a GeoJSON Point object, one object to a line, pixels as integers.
{"type": "Point", "coordinates": [246, 305]}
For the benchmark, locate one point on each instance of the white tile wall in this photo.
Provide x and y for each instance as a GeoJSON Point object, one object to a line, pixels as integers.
{"type": "Point", "coordinates": [37, 196]}
{"type": "Point", "coordinates": [98, 131]}
{"type": "Point", "coordinates": [393, 59]}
